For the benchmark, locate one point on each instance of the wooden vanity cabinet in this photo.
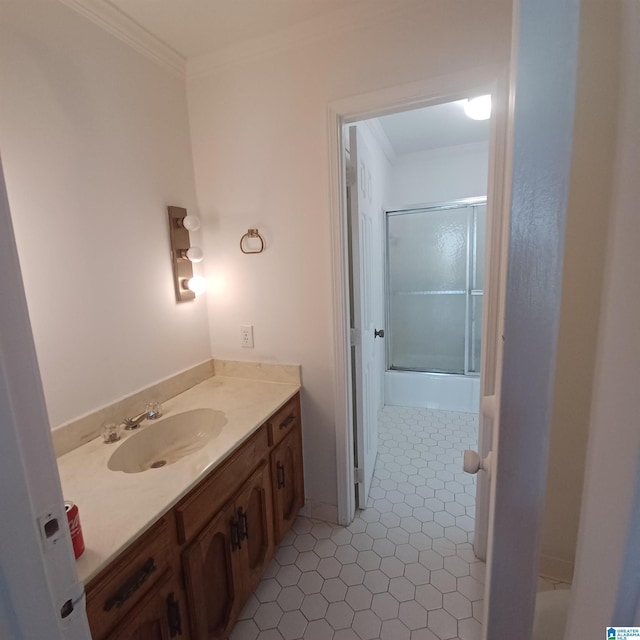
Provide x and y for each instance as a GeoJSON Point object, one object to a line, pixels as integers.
{"type": "Point", "coordinates": [287, 478]}
{"type": "Point", "coordinates": [129, 599]}
{"type": "Point", "coordinates": [225, 562]}
{"type": "Point", "coordinates": [212, 578]}
{"type": "Point", "coordinates": [158, 616]}
{"type": "Point", "coordinates": [190, 575]}
{"type": "Point", "coordinates": [288, 483]}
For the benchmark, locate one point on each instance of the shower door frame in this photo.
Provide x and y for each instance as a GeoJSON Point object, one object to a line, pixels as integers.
{"type": "Point", "coordinates": [468, 292]}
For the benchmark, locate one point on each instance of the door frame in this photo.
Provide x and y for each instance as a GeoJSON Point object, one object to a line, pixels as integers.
{"type": "Point", "coordinates": [492, 79]}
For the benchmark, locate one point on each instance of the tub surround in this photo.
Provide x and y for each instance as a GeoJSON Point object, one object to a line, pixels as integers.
{"type": "Point", "coordinates": [117, 507]}
{"type": "Point", "coordinates": [443, 391]}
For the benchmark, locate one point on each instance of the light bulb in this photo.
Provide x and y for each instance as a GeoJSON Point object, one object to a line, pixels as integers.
{"type": "Point", "coordinates": [195, 254]}
{"type": "Point", "coordinates": [197, 284]}
{"type": "Point", "coordinates": [478, 108]}
{"type": "Point", "coordinates": [191, 223]}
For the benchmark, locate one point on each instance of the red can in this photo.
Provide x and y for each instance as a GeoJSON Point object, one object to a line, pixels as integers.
{"type": "Point", "coordinates": [73, 516]}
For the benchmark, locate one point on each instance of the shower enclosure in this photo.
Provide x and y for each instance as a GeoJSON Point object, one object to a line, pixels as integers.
{"type": "Point", "coordinates": [435, 259]}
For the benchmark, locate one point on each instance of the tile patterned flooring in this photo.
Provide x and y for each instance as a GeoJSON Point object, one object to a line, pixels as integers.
{"type": "Point", "coordinates": [404, 569]}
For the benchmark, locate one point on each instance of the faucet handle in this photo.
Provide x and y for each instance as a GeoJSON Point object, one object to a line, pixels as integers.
{"type": "Point", "coordinates": [154, 410]}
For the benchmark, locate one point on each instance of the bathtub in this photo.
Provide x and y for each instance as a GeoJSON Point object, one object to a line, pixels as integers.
{"type": "Point", "coordinates": [444, 391]}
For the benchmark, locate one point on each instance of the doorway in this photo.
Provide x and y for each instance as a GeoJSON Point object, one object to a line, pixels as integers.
{"type": "Point", "coordinates": [416, 287]}
{"type": "Point", "coordinates": [383, 103]}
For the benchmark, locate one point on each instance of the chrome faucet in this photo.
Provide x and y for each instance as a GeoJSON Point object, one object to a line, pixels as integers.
{"type": "Point", "coordinates": [134, 423]}
{"type": "Point", "coordinates": [151, 413]}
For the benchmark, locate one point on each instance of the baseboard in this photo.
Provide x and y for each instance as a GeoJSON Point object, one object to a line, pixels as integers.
{"type": "Point", "coordinates": [550, 567]}
{"type": "Point", "coordinates": [320, 511]}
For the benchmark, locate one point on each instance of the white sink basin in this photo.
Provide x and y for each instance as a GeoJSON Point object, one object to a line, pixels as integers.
{"type": "Point", "coordinates": [163, 443]}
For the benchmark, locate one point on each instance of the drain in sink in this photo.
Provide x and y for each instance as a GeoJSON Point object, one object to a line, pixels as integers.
{"type": "Point", "coordinates": [158, 463]}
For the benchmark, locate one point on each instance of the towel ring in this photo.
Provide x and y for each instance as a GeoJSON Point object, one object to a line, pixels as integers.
{"type": "Point", "coordinates": [252, 233]}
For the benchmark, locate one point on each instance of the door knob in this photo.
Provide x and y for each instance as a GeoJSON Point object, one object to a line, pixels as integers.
{"type": "Point", "coordinates": [378, 333]}
{"type": "Point", "coordinates": [473, 462]}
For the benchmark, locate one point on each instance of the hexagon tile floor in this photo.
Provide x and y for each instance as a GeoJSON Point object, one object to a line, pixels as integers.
{"type": "Point", "coordinates": [404, 569]}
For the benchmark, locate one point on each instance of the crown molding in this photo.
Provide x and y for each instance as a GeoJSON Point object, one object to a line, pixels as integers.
{"type": "Point", "coordinates": [110, 18]}
{"type": "Point", "coordinates": [104, 14]}
{"type": "Point", "coordinates": [334, 24]}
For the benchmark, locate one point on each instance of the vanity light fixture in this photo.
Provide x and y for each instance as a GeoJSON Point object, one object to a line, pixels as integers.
{"type": "Point", "coordinates": [187, 285]}
{"type": "Point", "coordinates": [197, 284]}
{"type": "Point", "coordinates": [194, 254]}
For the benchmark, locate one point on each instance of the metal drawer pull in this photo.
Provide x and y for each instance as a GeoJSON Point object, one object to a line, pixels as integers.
{"type": "Point", "coordinates": [235, 536]}
{"type": "Point", "coordinates": [131, 586]}
{"type": "Point", "coordinates": [243, 525]}
{"type": "Point", "coordinates": [287, 421]}
{"type": "Point", "coordinates": [173, 616]}
{"type": "Point", "coordinates": [280, 475]}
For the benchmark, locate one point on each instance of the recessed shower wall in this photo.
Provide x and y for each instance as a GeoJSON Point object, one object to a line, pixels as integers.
{"type": "Point", "coordinates": [435, 260]}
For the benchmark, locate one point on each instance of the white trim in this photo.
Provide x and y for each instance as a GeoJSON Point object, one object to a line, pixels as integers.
{"type": "Point", "coordinates": [401, 97]}
{"type": "Point", "coordinates": [320, 511]}
{"type": "Point", "coordinates": [498, 206]}
{"type": "Point", "coordinates": [115, 21]}
{"type": "Point", "coordinates": [108, 17]}
{"type": "Point", "coordinates": [343, 410]}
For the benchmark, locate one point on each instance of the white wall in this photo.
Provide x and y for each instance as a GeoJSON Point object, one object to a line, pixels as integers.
{"type": "Point", "coordinates": [614, 438]}
{"type": "Point", "coordinates": [95, 144]}
{"type": "Point", "coordinates": [259, 135]}
{"type": "Point", "coordinates": [440, 175]}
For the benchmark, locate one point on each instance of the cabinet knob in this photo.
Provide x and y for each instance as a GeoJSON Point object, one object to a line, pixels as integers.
{"type": "Point", "coordinates": [378, 333]}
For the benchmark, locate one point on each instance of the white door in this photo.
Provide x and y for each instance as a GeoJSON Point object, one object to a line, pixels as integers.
{"type": "Point", "coordinates": [521, 402]}
{"type": "Point", "coordinates": [365, 253]}
{"type": "Point", "coordinates": [40, 595]}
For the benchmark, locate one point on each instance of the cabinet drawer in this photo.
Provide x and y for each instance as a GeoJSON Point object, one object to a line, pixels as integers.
{"type": "Point", "coordinates": [196, 510]}
{"type": "Point", "coordinates": [284, 421]}
{"type": "Point", "coordinates": [113, 593]}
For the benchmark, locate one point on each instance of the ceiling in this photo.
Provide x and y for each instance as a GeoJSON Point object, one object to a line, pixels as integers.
{"type": "Point", "coordinates": [197, 27]}
{"type": "Point", "coordinates": [443, 125]}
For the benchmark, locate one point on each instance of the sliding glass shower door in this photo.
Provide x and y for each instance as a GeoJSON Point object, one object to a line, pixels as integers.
{"type": "Point", "coordinates": [435, 287]}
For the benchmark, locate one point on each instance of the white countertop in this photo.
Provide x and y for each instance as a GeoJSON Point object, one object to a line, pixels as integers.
{"type": "Point", "coordinates": [117, 507]}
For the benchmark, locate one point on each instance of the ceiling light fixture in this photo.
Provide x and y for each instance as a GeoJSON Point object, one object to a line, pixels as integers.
{"type": "Point", "coordinates": [478, 108]}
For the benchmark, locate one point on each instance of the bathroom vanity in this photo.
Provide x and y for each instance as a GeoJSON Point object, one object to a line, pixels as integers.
{"type": "Point", "coordinates": [187, 570]}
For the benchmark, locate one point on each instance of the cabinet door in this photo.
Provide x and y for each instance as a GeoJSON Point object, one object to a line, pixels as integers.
{"type": "Point", "coordinates": [287, 482]}
{"type": "Point", "coordinates": [254, 515]}
{"type": "Point", "coordinates": [213, 582]}
{"type": "Point", "coordinates": [157, 617]}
